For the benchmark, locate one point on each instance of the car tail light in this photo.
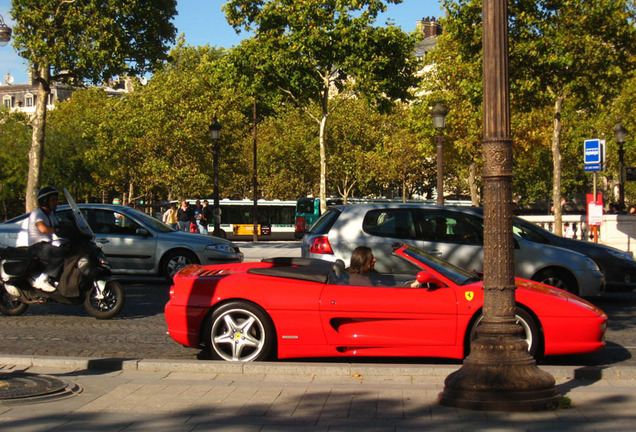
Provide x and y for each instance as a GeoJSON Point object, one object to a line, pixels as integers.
{"type": "Point", "coordinates": [320, 245]}
{"type": "Point", "coordinates": [300, 224]}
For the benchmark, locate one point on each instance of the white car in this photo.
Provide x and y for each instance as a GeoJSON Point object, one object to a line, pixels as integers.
{"type": "Point", "coordinates": [452, 233]}
{"type": "Point", "coordinates": [135, 243]}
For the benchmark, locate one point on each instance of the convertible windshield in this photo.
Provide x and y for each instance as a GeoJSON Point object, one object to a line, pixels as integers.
{"type": "Point", "coordinates": [452, 272]}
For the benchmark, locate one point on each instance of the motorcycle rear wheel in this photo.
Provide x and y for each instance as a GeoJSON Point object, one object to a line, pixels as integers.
{"type": "Point", "coordinates": [9, 305]}
{"type": "Point", "coordinates": [110, 305]}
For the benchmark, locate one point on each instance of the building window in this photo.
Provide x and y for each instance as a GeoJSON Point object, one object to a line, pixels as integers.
{"type": "Point", "coordinates": [28, 100]}
{"type": "Point", "coordinates": [7, 101]}
{"type": "Point", "coordinates": [51, 99]}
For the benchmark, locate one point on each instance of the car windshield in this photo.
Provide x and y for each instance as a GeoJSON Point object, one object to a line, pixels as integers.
{"type": "Point", "coordinates": [448, 270]}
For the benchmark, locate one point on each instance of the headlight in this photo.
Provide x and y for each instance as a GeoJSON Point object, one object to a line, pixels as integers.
{"type": "Point", "coordinates": [620, 254]}
{"type": "Point", "coordinates": [219, 247]}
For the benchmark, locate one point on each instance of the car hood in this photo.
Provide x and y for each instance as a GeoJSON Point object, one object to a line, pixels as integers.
{"type": "Point", "coordinates": [539, 288]}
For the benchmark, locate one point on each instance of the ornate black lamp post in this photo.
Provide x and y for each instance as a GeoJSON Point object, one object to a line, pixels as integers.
{"type": "Point", "coordinates": [5, 32]}
{"type": "Point", "coordinates": [215, 134]}
{"type": "Point", "coordinates": [438, 113]}
{"type": "Point", "coordinates": [499, 374]}
{"type": "Point", "coordinates": [620, 134]}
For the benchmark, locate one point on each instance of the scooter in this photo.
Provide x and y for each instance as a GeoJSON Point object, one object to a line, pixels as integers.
{"type": "Point", "coordinates": [85, 279]}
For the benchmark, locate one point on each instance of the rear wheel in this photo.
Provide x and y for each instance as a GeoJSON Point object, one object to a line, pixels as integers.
{"type": "Point", "coordinates": [558, 279]}
{"type": "Point", "coordinates": [109, 304]}
{"type": "Point", "coordinates": [9, 304]}
{"type": "Point", "coordinates": [240, 332]}
{"type": "Point", "coordinates": [530, 333]}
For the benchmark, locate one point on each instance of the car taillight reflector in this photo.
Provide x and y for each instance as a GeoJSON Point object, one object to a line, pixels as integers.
{"type": "Point", "coordinates": [300, 224]}
{"type": "Point", "coordinates": [320, 245]}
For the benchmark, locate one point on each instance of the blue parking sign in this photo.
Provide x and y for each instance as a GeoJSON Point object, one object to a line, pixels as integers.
{"type": "Point", "coordinates": [594, 154]}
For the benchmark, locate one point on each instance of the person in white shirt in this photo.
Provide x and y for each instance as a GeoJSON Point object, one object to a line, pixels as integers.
{"type": "Point", "coordinates": [42, 224]}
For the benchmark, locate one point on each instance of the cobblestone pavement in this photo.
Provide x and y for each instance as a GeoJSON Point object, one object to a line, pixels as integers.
{"type": "Point", "coordinates": [59, 330]}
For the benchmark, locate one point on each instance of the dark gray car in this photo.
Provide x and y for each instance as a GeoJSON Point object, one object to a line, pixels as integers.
{"type": "Point", "coordinates": [618, 267]}
{"type": "Point", "coordinates": [453, 234]}
{"type": "Point", "coordinates": [135, 243]}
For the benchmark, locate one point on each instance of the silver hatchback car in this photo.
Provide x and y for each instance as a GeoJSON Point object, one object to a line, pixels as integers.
{"type": "Point", "coordinates": [135, 243]}
{"type": "Point", "coordinates": [452, 233]}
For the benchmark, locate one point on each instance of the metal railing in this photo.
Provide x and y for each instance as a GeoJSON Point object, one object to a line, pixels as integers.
{"type": "Point", "coordinates": [617, 230]}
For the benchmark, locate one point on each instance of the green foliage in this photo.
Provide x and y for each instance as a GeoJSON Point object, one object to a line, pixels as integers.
{"type": "Point", "coordinates": [15, 138]}
{"type": "Point", "coordinates": [311, 50]}
{"type": "Point", "coordinates": [93, 40]}
{"type": "Point", "coordinates": [71, 140]}
{"type": "Point", "coordinates": [305, 47]}
{"type": "Point", "coordinates": [162, 130]}
{"type": "Point", "coordinates": [287, 165]}
{"type": "Point", "coordinates": [581, 51]}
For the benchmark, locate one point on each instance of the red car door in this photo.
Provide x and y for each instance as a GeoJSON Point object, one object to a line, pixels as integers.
{"type": "Point", "coordinates": [388, 316]}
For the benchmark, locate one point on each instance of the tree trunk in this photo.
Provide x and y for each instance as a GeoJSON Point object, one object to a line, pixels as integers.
{"type": "Point", "coordinates": [36, 153]}
{"type": "Point", "coordinates": [556, 163]}
{"type": "Point", "coordinates": [472, 184]}
{"type": "Point", "coordinates": [323, 151]}
{"type": "Point", "coordinates": [131, 194]}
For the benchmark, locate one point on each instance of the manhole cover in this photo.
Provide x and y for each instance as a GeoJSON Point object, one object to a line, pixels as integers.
{"type": "Point", "coordinates": [30, 388]}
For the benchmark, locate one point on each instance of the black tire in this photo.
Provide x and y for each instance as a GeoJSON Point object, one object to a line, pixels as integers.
{"type": "Point", "coordinates": [10, 305]}
{"type": "Point", "coordinates": [531, 333]}
{"type": "Point", "coordinates": [559, 279]}
{"type": "Point", "coordinates": [174, 261]}
{"type": "Point", "coordinates": [240, 332]}
{"type": "Point", "coordinates": [110, 305]}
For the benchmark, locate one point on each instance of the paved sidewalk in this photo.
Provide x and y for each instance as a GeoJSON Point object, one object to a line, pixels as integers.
{"type": "Point", "coordinates": [256, 251]}
{"type": "Point", "coordinates": [295, 397]}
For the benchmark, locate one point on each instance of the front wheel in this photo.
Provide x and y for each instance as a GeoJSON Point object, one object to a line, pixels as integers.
{"type": "Point", "coordinates": [240, 332]}
{"type": "Point", "coordinates": [530, 332]}
{"type": "Point", "coordinates": [109, 304]}
{"type": "Point", "coordinates": [175, 261]}
{"type": "Point", "coordinates": [10, 305]}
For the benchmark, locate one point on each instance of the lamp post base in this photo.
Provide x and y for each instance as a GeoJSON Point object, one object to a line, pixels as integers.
{"type": "Point", "coordinates": [500, 375]}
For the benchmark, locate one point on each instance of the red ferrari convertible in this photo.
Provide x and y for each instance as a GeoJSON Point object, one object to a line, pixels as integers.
{"type": "Point", "coordinates": [302, 307]}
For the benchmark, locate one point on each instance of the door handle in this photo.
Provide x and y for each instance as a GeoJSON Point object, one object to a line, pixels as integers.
{"type": "Point", "coordinates": [102, 241]}
{"type": "Point", "coordinates": [435, 252]}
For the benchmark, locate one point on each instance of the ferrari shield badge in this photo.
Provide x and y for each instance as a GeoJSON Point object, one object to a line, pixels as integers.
{"type": "Point", "coordinates": [469, 295]}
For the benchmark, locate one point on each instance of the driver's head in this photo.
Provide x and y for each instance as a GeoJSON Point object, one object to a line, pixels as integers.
{"type": "Point", "coordinates": [362, 260]}
{"type": "Point", "coordinates": [47, 197]}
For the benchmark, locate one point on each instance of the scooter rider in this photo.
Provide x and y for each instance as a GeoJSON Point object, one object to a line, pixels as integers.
{"type": "Point", "coordinates": [42, 225]}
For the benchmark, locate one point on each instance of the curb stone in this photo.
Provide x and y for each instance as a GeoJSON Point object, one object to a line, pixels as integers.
{"type": "Point", "coordinates": [292, 368]}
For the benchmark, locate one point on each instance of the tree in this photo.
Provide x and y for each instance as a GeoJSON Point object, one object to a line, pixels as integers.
{"type": "Point", "coordinates": [312, 49]}
{"type": "Point", "coordinates": [162, 129]}
{"type": "Point", "coordinates": [72, 137]}
{"type": "Point", "coordinates": [14, 136]}
{"type": "Point", "coordinates": [564, 54]}
{"type": "Point", "coordinates": [287, 165]}
{"type": "Point", "coordinates": [580, 52]}
{"type": "Point", "coordinates": [452, 74]}
{"type": "Point", "coordinates": [76, 40]}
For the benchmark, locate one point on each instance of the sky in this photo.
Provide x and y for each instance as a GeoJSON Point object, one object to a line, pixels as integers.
{"type": "Point", "coordinates": [202, 22]}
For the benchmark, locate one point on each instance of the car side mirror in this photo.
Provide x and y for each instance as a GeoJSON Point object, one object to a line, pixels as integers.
{"type": "Point", "coordinates": [143, 232]}
{"type": "Point", "coordinates": [428, 279]}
